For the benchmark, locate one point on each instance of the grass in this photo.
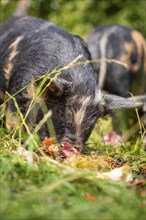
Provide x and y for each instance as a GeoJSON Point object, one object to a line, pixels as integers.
{"type": "Point", "coordinates": [45, 190]}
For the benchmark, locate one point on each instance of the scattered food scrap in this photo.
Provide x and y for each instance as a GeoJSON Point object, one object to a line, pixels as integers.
{"type": "Point", "coordinates": [112, 138]}
{"type": "Point", "coordinates": [58, 151]}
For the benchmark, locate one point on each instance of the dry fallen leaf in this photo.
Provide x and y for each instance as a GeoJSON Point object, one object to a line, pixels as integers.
{"type": "Point", "coordinates": [53, 150]}
{"type": "Point", "coordinates": [49, 147]}
{"type": "Point", "coordinates": [28, 155]}
{"type": "Point", "coordinates": [49, 141]}
{"type": "Point", "coordinates": [138, 182]}
{"type": "Point", "coordinates": [91, 197]}
{"type": "Point", "coordinates": [118, 174]}
{"type": "Point", "coordinates": [142, 193]}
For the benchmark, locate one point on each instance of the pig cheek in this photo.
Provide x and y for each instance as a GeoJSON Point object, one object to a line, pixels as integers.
{"type": "Point", "coordinates": [87, 129]}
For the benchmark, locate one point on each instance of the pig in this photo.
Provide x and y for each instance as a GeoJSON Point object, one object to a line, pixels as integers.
{"type": "Point", "coordinates": [31, 47]}
{"type": "Point", "coordinates": [114, 41]}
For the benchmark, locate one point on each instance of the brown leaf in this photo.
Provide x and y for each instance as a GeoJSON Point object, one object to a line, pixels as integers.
{"type": "Point", "coordinates": [142, 193]}
{"type": "Point", "coordinates": [91, 197]}
{"type": "Point", "coordinates": [137, 182]}
{"type": "Point", "coordinates": [49, 141]}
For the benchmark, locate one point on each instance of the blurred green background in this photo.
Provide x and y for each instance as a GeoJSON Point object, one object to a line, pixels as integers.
{"type": "Point", "coordinates": [81, 16]}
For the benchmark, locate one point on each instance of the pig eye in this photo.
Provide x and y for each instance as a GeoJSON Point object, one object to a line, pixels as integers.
{"type": "Point", "coordinates": [92, 118]}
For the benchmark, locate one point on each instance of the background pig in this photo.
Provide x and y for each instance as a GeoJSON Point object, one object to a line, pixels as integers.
{"type": "Point", "coordinates": [30, 47]}
{"type": "Point", "coordinates": [115, 41]}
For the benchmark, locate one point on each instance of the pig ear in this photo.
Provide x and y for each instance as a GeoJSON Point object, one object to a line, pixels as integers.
{"type": "Point", "coordinates": [59, 86]}
{"type": "Point", "coordinates": [56, 86]}
{"type": "Point", "coordinates": [138, 98]}
{"type": "Point", "coordinates": [116, 102]}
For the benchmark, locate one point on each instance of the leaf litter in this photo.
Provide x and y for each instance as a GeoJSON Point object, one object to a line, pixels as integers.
{"type": "Point", "coordinates": [116, 169]}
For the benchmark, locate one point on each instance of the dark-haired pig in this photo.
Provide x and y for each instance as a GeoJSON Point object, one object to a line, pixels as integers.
{"type": "Point", "coordinates": [114, 41]}
{"type": "Point", "coordinates": [31, 47]}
